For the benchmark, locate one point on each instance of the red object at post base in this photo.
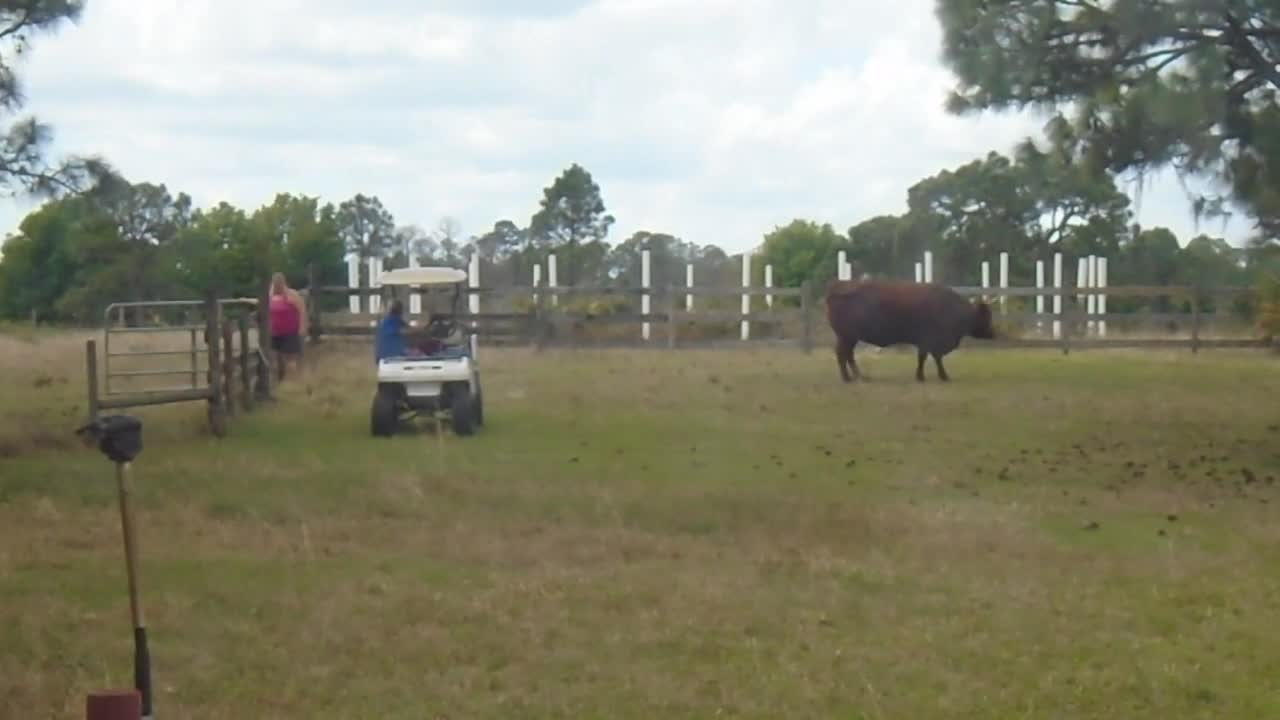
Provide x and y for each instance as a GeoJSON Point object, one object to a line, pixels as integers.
{"type": "Point", "coordinates": [114, 705]}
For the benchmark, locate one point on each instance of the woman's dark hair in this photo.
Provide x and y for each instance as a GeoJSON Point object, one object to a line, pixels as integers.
{"type": "Point", "coordinates": [397, 307]}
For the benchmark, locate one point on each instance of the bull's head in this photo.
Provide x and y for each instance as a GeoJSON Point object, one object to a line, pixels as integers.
{"type": "Point", "coordinates": [982, 327]}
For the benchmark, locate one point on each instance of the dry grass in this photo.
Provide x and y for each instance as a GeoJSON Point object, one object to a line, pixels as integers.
{"type": "Point", "coordinates": [654, 534]}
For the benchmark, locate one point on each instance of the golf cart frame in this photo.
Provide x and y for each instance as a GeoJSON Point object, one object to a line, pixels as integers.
{"type": "Point", "coordinates": [436, 377]}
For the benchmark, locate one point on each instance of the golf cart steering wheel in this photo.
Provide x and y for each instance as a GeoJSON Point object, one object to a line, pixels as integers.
{"type": "Point", "coordinates": [440, 328]}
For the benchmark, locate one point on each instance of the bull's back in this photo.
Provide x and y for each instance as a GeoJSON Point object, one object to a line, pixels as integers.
{"type": "Point", "coordinates": [882, 312]}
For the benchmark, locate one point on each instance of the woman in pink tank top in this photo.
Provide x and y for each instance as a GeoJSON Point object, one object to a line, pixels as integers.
{"type": "Point", "coordinates": [288, 314]}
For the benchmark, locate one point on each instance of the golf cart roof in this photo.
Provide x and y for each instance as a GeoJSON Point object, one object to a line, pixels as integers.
{"type": "Point", "coordinates": [423, 276]}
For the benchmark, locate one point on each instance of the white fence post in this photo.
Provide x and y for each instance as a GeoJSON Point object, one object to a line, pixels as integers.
{"type": "Point", "coordinates": [1004, 278]}
{"type": "Point", "coordinates": [928, 266]}
{"type": "Point", "coordinates": [1102, 298]}
{"type": "Point", "coordinates": [746, 299]}
{"type": "Point", "coordinates": [551, 278]}
{"type": "Point", "coordinates": [1040, 298]}
{"type": "Point", "coordinates": [844, 270]}
{"type": "Point", "coordinates": [688, 282]}
{"type": "Point", "coordinates": [1057, 298]}
{"type": "Point", "coordinates": [375, 284]}
{"type": "Point", "coordinates": [644, 297]}
{"type": "Point", "coordinates": [537, 280]}
{"type": "Point", "coordinates": [1082, 284]}
{"type": "Point", "coordinates": [353, 282]}
{"type": "Point", "coordinates": [473, 298]}
{"type": "Point", "coordinates": [919, 272]}
{"type": "Point", "coordinates": [768, 283]}
{"type": "Point", "coordinates": [986, 280]}
{"type": "Point", "coordinates": [415, 297]}
{"type": "Point", "coordinates": [1091, 277]}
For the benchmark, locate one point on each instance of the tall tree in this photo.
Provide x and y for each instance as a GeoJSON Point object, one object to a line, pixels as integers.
{"type": "Point", "coordinates": [24, 167]}
{"type": "Point", "coordinates": [366, 227]}
{"type": "Point", "coordinates": [215, 253]}
{"type": "Point", "coordinates": [572, 214]}
{"type": "Point", "coordinates": [884, 246]}
{"type": "Point", "coordinates": [668, 256]}
{"type": "Point", "coordinates": [975, 212]}
{"type": "Point", "coordinates": [131, 239]}
{"type": "Point", "coordinates": [1190, 84]}
{"type": "Point", "coordinates": [40, 263]}
{"type": "Point", "coordinates": [295, 232]}
{"type": "Point", "coordinates": [448, 236]}
{"type": "Point", "coordinates": [503, 240]}
{"type": "Point", "coordinates": [412, 240]}
{"type": "Point", "coordinates": [801, 251]}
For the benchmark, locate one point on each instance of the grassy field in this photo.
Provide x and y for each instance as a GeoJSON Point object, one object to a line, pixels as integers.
{"type": "Point", "coordinates": [660, 534]}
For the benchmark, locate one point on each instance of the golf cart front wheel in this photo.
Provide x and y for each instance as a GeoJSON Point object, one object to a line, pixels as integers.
{"type": "Point", "coordinates": [384, 413]}
{"type": "Point", "coordinates": [463, 412]}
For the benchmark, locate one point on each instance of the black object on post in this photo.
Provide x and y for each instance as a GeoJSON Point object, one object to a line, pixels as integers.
{"type": "Point", "coordinates": [119, 437]}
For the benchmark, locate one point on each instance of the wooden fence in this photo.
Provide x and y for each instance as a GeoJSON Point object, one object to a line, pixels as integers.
{"type": "Point", "coordinates": [791, 317]}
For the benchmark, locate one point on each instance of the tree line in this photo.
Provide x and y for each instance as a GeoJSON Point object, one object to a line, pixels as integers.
{"type": "Point", "coordinates": [1187, 84]}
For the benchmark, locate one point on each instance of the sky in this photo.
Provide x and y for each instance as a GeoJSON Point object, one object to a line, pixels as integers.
{"type": "Point", "coordinates": [712, 120]}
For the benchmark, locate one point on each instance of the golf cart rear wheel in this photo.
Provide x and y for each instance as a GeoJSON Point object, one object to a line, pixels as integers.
{"type": "Point", "coordinates": [479, 404]}
{"type": "Point", "coordinates": [462, 410]}
{"type": "Point", "coordinates": [385, 412]}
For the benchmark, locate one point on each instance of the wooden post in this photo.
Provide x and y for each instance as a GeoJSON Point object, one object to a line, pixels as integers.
{"type": "Point", "coordinates": [265, 379]}
{"type": "Point", "coordinates": [806, 311]}
{"type": "Point", "coordinates": [246, 378]}
{"type": "Point", "coordinates": [539, 323]}
{"type": "Point", "coordinates": [1066, 327]}
{"type": "Point", "coordinates": [195, 360]}
{"type": "Point", "coordinates": [217, 411]}
{"type": "Point", "coordinates": [671, 318]}
{"type": "Point", "coordinates": [313, 306]}
{"type": "Point", "coordinates": [91, 371]}
{"type": "Point", "coordinates": [228, 368]}
{"type": "Point", "coordinates": [1195, 319]}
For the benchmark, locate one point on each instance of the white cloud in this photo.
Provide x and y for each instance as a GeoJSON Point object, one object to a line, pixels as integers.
{"type": "Point", "coordinates": [711, 119]}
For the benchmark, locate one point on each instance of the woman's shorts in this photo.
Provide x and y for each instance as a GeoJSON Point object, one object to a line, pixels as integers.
{"type": "Point", "coordinates": [287, 344]}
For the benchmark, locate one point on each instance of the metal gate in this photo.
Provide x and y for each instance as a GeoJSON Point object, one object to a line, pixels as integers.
{"type": "Point", "coordinates": [169, 351]}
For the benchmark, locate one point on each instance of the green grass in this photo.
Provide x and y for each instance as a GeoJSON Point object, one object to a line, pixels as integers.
{"type": "Point", "coordinates": [672, 534]}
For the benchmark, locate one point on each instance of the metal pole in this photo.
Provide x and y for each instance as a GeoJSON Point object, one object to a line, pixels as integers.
{"type": "Point", "coordinates": [141, 654]}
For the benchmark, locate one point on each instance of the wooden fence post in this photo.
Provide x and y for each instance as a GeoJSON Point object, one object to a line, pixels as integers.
{"type": "Point", "coordinates": [1067, 321]}
{"type": "Point", "coordinates": [246, 378]}
{"type": "Point", "coordinates": [539, 323]}
{"type": "Point", "coordinates": [217, 411]}
{"type": "Point", "coordinates": [195, 360]}
{"type": "Point", "coordinates": [1195, 319]}
{"type": "Point", "coordinates": [91, 370]}
{"type": "Point", "coordinates": [806, 312]}
{"type": "Point", "coordinates": [313, 305]}
{"type": "Point", "coordinates": [265, 379]}
{"type": "Point", "coordinates": [228, 368]}
{"type": "Point", "coordinates": [671, 318]}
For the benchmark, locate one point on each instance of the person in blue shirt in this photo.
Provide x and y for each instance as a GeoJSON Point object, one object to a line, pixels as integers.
{"type": "Point", "coordinates": [390, 339]}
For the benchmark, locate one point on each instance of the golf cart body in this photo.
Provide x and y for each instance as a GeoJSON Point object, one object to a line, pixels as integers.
{"type": "Point", "coordinates": [438, 374]}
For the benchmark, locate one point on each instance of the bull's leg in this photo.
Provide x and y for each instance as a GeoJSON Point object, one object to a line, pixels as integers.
{"type": "Point", "coordinates": [942, 372]}
{"type": "Point", "coordinates": [844, 359]}
{"type": "Point", "coordinates": [921, 354]}
{"type": "Point", "coordinates": [842, 353]}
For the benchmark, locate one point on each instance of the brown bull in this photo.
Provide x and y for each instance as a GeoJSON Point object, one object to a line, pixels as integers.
{"type": "Point", "coordinates": [932, 317]}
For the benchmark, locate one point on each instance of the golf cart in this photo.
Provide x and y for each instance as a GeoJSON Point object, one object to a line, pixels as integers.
{"type": "Point", "coordinates": [438, 374]}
